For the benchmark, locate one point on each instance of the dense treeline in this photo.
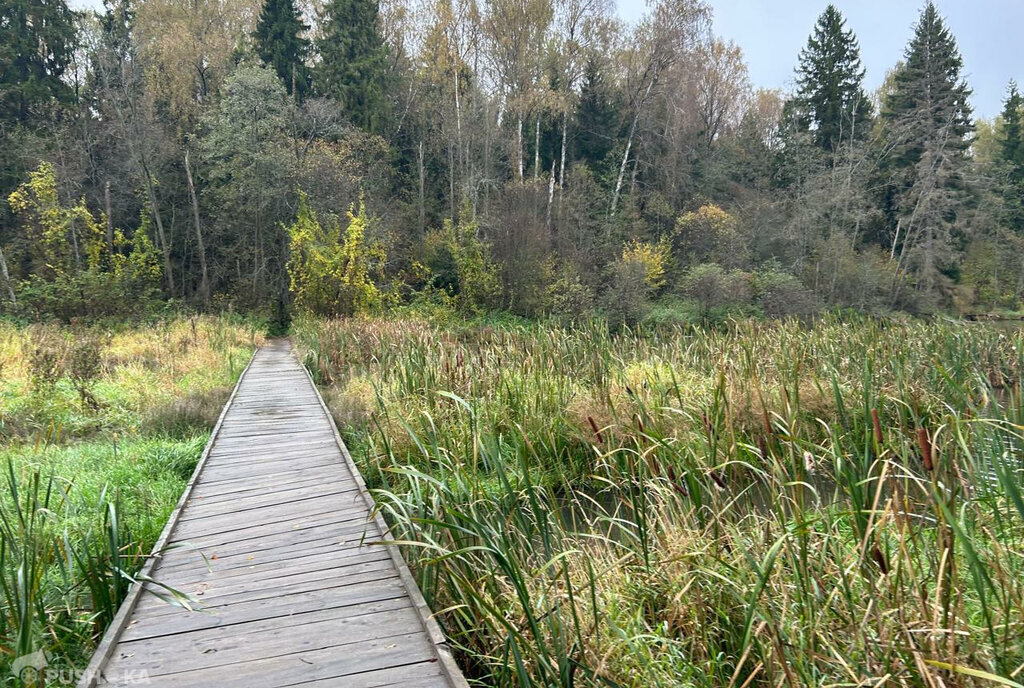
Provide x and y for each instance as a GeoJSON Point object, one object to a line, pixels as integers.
{"type": "Point", "coordinates": [532, 155]}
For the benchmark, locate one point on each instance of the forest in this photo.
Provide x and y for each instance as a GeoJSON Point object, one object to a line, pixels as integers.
{"type": "Point", "coordinates": [539, 157]}
{"type": "Point", "coordinates": [656, 379]}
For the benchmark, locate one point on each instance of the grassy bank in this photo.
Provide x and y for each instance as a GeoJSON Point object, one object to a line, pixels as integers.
{"type": "Point", "coordinates": [766, 504]}
{"type": "Point", "coordinates": [99, 432]}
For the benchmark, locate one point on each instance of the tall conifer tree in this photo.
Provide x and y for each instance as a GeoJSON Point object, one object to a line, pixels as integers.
{"type": "Point", "coordinates": [37, 39]}
{"type": "Point", "coordinates": [929, 98]}
{"type": "Point", "coordinates": [927, 120]}
{"type": "Point", "coordinates": [831, 96]}
{"type": "Point", "coordinates": [281, 44]}
{"type": "Point", "coordinates": [353, 62]}
{"type": "Point", "coordinates": [597, 118]}
{"type": "Point", "coordinates": [1013, 155]}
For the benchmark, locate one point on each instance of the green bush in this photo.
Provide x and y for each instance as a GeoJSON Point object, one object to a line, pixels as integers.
{"type": "Point", "coordinates": [715, 290]}
{"type": "Point", "coordinates": [781, 295]}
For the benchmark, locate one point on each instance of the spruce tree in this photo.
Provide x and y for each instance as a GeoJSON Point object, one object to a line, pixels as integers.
{"type": "Point", "coordinates": [929, 98]}
{"type": "Point", "coordinates": [831, 83]}
{"type": "Point", "coordinates": [597, 118]}
{"type": "Point", "coordinates": [1013, 133]}
{"type": "Point", "coordinates": [927, 124]}
{"type": "Point", "coordinates": [1013, 156]}
{"type": "Point", "coordinates": [281, 44]}
{"type": "Point", "coordinates": [353, 62]}
{"type": "Point", "coordinates": [37, 39]}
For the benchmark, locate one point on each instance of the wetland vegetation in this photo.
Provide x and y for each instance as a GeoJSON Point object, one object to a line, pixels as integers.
{"type": "Point", "coordinates": [100, 430]}
{"type": "Point", "coordinates": [765, 503]}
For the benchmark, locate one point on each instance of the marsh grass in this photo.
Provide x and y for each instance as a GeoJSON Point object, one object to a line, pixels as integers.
{"type": "Point", "coordinates": [99, 431]}
{"type": "Point", "coordinates": [89, 381]}
{"type": "Point", "coordinates": [762, 504]}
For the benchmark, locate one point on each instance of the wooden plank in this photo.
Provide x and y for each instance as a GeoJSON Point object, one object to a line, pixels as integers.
{"type": "Point", "coordinates": [430, 625]}
{"type": "Point", "coordinates": [145, 626]}
{"type": "Point", "coordinates": [208, 637]}
{"type": "Point", "coordinates": [339, 660]}
{"type": "Point", "coordinates": [193, 561]}
{"type": "Point", "coordinates": [202, 650]}
{"type": "Point", "coordinates": [267, 592]}
{"type": "Point", "coordinates": [234, 534]}
{"type": "Point", "coordinates": [267, 503]}
{"type": "Point", "coordinates": [414, 676]}
{"type": "Point", "coordinates": [277, 542]}
{"type": "Point", "coordinates": [255, 570]}
{"type": "Point", "coordinates": [211, 592]}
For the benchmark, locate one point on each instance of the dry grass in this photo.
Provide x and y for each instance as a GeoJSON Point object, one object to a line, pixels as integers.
{"type": "Point", "coordinates": [765, 505]}
{"type": "Point", "coordinates": [99, 431]}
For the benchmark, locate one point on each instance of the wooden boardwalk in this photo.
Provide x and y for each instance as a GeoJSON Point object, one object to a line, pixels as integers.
{"type": "Point", "coordinates": [290, 592]}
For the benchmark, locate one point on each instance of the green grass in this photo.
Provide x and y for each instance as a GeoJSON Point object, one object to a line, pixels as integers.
{"type": "Point", "coordinates": [137, 483]}
{"type": "Point", "coordinates": [99, 432]}
{"type": "Point", "coordinates": [756, 504]}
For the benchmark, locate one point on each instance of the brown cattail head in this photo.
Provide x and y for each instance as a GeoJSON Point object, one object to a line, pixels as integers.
{"type": "Point", "coordinates": [762, 446]}
{"type": "Point", "coordinates": [877, 425]}
{"type": "Point", "coordinates": [883, 566]}
{"type": "Point", "coordinates": [597, 432]}
{"type": "Point", "coordinates": [707, 424]}
{"type": "Point", "coordinates": [765, 421]}
{"type": "Point", "coordinates": [718, 478]}
{"type": "Point", "coordinates": [924, 443]}
{"type": "Point", "coordinates": [639, 422]}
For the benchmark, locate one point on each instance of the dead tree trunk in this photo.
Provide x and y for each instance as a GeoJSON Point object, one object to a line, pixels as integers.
{"type": "Point", "coordinates": [160, 235]}
{"type": "Point", "coordinates": [423, 211]}
{"type": "Point", "coordinates": [565, 136]}
{"type": "Point", "coordinates": [632, 133]}
{"type": "Point", "coordinates": [536, 152]}
{"type": "Point", "coordinates": [110, 218]}
{"type": "Point", "coordinates": [204, 284]}
{"type": "Point", "coordinates": [7, 278]}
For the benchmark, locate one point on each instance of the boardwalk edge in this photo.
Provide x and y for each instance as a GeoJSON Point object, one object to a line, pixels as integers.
{"type": "Point", "coordinates": [110, 637]}
{"type": "Point", "coordinates": [430, 625]}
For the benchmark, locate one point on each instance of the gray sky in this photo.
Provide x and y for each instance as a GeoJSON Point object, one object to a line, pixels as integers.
{"type": "Point", "coordinates": [771, 33]}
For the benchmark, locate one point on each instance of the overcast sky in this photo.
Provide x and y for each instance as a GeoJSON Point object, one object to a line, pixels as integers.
{"type": "Point", "coordinates": [990, 34]}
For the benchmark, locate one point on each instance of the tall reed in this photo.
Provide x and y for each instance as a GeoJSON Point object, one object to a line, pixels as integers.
{"type": "Point", "coordinates": [765, 504]}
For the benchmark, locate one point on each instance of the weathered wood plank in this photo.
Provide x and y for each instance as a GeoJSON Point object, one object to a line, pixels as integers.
{"type": "Point", "coordinates": [411, 650]}
{"type": "Point", "coordinates": [256, 569]}
{"type": "Point", "coordinates": [187, 652]}
{"type": "Point", "coordinates": [277, 544]}
{"type": "Point", "coordinates": [190, 560]}
{"type": "Point", "coordinates": [212, 593]}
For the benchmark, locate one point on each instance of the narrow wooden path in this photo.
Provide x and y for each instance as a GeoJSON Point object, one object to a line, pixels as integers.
{"type": "Point", "coordinates": [273, 538]}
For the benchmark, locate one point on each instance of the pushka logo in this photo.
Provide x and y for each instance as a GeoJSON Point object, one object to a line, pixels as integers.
{"type": "Point", "coordinates": [35, 671]}
{"type": "Point", "coordinates": [29, 668]}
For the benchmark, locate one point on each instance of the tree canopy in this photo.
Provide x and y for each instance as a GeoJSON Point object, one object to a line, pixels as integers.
{"type": "Point", "coordinates": [538, 157]}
